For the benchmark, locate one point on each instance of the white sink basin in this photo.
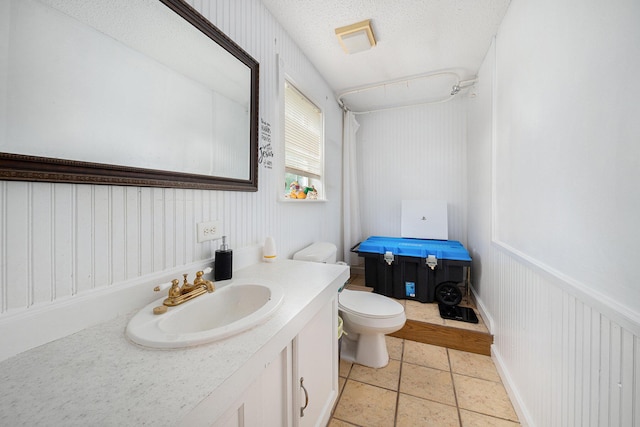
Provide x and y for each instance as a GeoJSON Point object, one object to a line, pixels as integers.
{"type": "Point", "coordinates": [207, 318]}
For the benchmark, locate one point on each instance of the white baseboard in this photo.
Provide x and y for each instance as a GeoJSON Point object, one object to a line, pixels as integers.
{"type": "Point", "coordinates": [514, 395]}
{"type": "Point", "coordinates": [488, 320]}
{"type": "Point", "coordinates": [518, 404]}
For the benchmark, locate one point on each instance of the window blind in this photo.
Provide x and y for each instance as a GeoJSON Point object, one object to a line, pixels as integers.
{"type": "Point", "coordinates": [303, 134]}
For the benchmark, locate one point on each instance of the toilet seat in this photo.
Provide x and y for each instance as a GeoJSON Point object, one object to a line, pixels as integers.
{"type": "Point", "coordinates": [367, 317]}
{"type": "Point", "coordinates": [369, 305]}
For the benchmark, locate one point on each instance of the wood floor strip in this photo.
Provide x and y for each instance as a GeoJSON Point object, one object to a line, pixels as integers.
{"type": "Point", "coordinates": [446, 336]}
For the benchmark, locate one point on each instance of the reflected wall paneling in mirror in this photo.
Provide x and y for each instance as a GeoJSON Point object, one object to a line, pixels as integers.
{"type": "Point", "coordinates": [156, 96]}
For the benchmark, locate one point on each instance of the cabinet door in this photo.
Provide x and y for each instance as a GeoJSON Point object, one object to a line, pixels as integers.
{"type": "Point", "coordinates": [315, 357]}
{"type": "Point", "coordinates": [265, 402]}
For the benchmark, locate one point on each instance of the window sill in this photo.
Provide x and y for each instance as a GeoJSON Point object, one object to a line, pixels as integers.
{"type": "Point", "coordinates": [301, 201]}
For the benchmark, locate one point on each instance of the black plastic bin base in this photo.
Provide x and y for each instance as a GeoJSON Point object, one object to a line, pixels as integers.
{"type": "Point", "coordinates": [410, 277]}
{"type": "Point", "coordinates": [378, 274]}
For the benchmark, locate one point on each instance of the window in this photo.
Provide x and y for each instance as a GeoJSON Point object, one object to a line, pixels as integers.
{"type": "Point", "coordinates": [303, 139]}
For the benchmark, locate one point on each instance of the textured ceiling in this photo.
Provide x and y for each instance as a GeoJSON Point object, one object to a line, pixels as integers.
{"type": "Point", "coordinates": [415, 37]}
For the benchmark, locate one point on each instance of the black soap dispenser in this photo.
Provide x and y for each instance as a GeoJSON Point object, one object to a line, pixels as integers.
{"type": "Point", "coordinates": [224, 262]}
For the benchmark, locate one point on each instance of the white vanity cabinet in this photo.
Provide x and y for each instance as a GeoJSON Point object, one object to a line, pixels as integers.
{"type": "Point", "coordinates": [300, 386]}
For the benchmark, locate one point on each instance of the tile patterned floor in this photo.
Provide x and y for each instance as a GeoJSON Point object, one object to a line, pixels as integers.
{"type": "Point", "coordinates": [424, 385]}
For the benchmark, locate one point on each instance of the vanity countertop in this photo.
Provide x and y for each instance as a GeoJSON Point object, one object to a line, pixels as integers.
{"type": "Point", "coordinates": [98, 377]}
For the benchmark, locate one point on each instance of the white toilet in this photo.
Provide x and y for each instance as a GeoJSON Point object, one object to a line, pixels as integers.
{"type": "Point", "coordinates": [367, 316]}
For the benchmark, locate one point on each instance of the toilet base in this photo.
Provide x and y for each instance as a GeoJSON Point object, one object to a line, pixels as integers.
{"type": "Point", "coordinates": [367, 349]}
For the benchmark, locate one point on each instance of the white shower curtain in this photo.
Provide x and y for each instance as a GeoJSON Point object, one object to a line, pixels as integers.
{"type": "Point", "coordinates": [351, 211]}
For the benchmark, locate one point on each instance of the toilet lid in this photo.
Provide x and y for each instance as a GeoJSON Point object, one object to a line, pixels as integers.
{"type": "Point", "coordinates": [368, 304]}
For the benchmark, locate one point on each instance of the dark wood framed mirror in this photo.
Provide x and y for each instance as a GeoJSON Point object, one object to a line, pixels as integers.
{"type": "Point", "coordinates": [156, 96]}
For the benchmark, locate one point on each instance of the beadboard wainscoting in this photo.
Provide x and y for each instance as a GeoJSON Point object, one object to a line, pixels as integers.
{"type": "Point", "coordinates": [566, 360]}
{"type": "Point", "coordinates": [64, 241]}
{"type": "Point", "coordinates": [567, 341]}
{"type": "Point", "coordinates": [413, 153]}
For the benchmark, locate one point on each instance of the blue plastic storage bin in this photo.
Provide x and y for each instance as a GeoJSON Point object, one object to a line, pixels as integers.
{"type": "Point", "coordinates": [406, 268]}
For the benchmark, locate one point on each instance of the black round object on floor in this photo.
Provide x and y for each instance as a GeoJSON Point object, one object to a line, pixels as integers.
{"type": "Point", "coordinates": [448, 293]}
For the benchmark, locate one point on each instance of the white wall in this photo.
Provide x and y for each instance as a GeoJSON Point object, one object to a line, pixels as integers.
{"type": "Point", "coordinates": [61, 242]}
{"type": "Point", "coordinates": [411, 154]}
{"type": "Point", "coordinates": [554, 167]}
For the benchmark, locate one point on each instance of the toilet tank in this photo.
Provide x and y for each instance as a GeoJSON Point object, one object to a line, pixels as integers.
{"type": "Point", "coordinates": [318, 252]}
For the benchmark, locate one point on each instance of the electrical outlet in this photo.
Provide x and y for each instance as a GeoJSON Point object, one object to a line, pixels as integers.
{"type": "Point", "coordinates": [208, 231]}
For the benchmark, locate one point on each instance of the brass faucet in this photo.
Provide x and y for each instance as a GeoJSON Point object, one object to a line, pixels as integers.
{"type": "Point", "coordinates": [179, 294]}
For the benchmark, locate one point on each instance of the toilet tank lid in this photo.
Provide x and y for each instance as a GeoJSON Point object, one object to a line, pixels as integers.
{"type": "Point", "coordinates": [317, 252]}
{"type": "Point", "coordinates": [369, 304]}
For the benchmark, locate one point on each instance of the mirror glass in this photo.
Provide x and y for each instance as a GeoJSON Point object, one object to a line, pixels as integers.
{"type": "Point", "coordinates": [146, 92]}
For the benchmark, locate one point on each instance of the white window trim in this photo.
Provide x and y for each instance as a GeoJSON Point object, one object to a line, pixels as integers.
{"type": "Point", "coordinates": [282, 77]}
{"type": "Point", "coordinates": [307, 146]}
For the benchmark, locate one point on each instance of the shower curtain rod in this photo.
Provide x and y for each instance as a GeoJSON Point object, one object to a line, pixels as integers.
{"type": "Point", "coordinates": [461, 84]}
